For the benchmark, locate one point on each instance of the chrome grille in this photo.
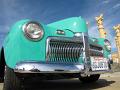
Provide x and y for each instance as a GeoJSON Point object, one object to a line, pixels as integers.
{"type": "Point", "coordinates": [96, 50]}
{"type": "Point", "coordinates": [64, 50]}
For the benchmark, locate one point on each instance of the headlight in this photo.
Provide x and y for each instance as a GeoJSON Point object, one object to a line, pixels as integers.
{"type": "Point", "coordinates": [33, 30]}
{"type": "Point", "coordinates": [107, 45]}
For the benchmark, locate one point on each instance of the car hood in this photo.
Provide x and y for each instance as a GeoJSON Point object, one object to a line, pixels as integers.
{"type": "Point", "coordinates": [75, 24]}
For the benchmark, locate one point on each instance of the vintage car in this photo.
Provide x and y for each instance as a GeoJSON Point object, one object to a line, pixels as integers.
{"type": "Point", "coordinates": [58, 50]}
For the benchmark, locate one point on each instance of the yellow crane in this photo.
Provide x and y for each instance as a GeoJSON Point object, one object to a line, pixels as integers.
{"type": "Point", "coordinates": [101, 29]}
{"type": "Point", "coordinates": [117, 39]}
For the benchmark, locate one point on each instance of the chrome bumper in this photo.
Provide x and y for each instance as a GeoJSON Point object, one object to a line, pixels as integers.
{"type": "Point", "coordinates": [35, 67]}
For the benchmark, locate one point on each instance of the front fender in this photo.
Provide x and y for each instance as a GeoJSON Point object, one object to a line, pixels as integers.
{"type": "Point", "coordinates": [18, 48]}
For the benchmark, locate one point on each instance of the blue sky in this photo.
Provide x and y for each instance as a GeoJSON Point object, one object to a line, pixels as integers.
{"type": "Point", "coordinates": [48, 11]}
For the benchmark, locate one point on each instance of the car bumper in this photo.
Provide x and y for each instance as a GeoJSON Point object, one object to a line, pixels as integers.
{"type": "Point", "coordinates": [45, 68]}
{"type": "Point", "coordinates": [35, 67]}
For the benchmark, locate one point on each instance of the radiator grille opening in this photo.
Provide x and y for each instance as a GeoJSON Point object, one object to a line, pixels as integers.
{"type": "Point", "coordinates": [64, 50]}
{"type": "Point", "coordinates": [96, 50]}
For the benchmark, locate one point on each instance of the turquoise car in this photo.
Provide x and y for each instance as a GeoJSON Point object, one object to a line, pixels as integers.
{"type": "Point", "coordinates": [58, 50]}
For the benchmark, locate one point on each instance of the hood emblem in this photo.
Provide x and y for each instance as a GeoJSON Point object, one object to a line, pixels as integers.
{"type": "Point", "coordinates": [60, 32]}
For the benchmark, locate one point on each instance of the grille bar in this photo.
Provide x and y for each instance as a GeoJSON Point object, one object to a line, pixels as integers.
{"type": "Point", "coordinates": [96, 50]}
{"type": "Point", "coordinates": [64, 50]}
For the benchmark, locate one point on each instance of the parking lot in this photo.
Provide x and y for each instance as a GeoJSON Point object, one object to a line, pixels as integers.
{"type": "Point", "coordinates": [106, 82]}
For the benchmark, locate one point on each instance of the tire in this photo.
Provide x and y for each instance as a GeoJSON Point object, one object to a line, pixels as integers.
{"type": "Point", "coordinates": [2, 65]}
{"type": "Point", "coordinates": [11, 81]}
{"type": "Point", "coordinates": [89, 79]}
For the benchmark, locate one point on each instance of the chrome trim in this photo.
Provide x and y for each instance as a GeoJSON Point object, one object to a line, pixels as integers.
{"type": "Point", "coordinates": [35, 67]}
{"type": "Point", "coordinates": [26, 34]}
{"type": "Point", "coordinates": [63, 49]}
{"type": "Point", "coordinates": [86, 54]}
{"type": "Point", "coordinates": [96, 50]}
{"type": "Point", "coordinates": [96, 72]}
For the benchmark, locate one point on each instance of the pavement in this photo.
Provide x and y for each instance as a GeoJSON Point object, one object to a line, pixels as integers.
{"type": "Point", "coordinates": [109, 81]}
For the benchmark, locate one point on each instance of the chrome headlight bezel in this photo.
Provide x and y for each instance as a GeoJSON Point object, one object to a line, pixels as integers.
{"type": "Point", "coordinates": [33, 30]}
{"type": "Point", "coordinates": [107, 45]}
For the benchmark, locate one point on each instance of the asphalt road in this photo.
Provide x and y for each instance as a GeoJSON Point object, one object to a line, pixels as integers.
{"type": "Point", "coordinates": [106, 82]}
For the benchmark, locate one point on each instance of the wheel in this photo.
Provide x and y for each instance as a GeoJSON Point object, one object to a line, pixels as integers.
{"type": "Point", "coordinates": [11, 81]}
{"type": "Point", "coordinates": [88, 79]}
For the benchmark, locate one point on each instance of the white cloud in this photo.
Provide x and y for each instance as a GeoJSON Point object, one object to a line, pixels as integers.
{"type": "Point", "coordinates": [116, 6]}
{"type": "Point", "coordinates": [106, 1]}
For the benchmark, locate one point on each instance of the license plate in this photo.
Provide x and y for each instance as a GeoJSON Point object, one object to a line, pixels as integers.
{"type": "Point", "coordinates": [99, 63]}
